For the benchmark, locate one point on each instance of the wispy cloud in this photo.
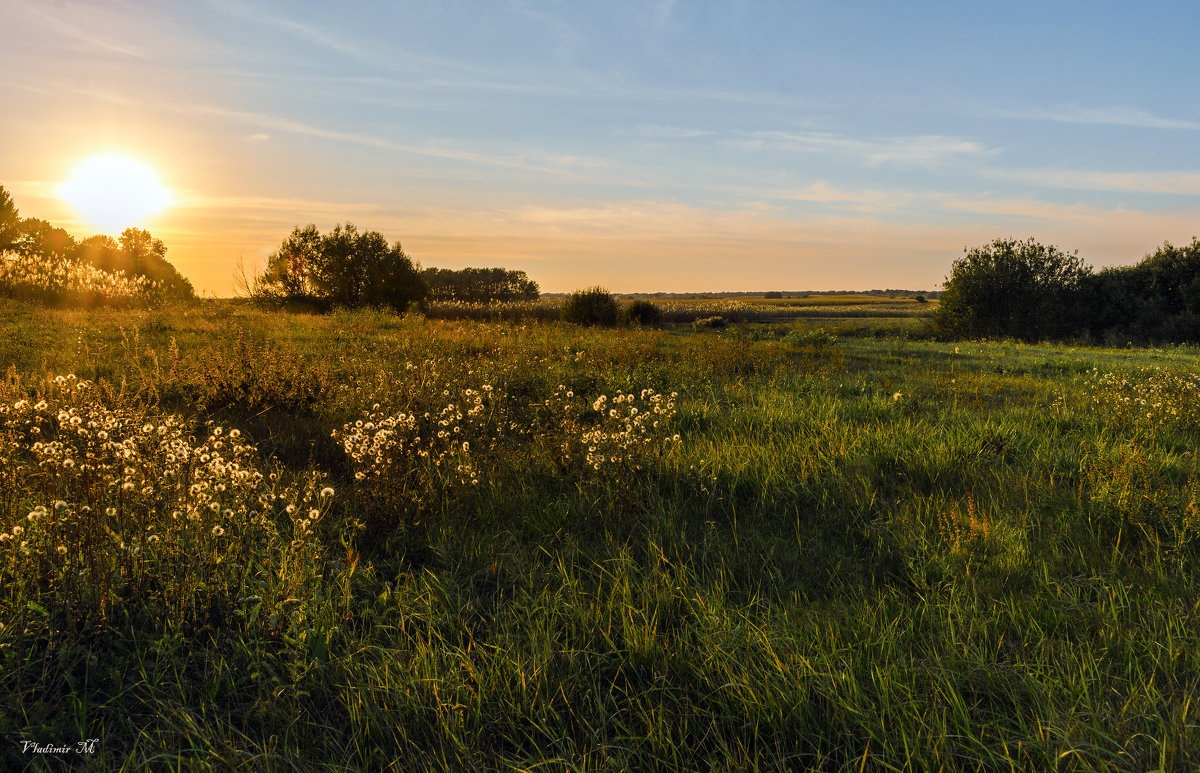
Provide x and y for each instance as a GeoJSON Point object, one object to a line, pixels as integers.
{"type": "Point", "coordinates": [557, 165]}
{"type": "Point", "coordinates": [292, 26]}
{"type": "Point", "coordinates": [1106, 116]}
{"type": "Point", "coordinates": [662, 12]}
{"type": "Point", "coordinates": [64, 22]}
{"type": "Point", "coordinates": [568, 38]}
{"type": "Point", "coordinates": [1178, 183]}
{"type": "Point", "coordinates": [923, 148]}
{"type": "Point", "coordinates": [674, 132]}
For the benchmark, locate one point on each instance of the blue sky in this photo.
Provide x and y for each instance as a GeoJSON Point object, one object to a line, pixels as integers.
{"type": "Point", "coordinates": [638, 145]}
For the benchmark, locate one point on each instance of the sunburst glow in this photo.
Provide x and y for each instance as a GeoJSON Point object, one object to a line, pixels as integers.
{"type": "Point", "coordinates": [115, 192]}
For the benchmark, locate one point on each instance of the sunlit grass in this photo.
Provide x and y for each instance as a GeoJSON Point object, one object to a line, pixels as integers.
{"type": "Point", "coordinates": [830, 544]}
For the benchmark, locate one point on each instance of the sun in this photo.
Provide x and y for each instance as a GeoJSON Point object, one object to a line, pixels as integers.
{"type": "Point", "coordinates": [115, 192]}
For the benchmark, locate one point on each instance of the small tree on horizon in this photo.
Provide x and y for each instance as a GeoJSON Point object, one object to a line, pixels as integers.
{"type": "Point", "coordinates": [343, 267]}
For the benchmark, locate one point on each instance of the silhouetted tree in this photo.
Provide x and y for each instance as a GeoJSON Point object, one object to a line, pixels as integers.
{"type": "Point", "coordinates": [644, 313]}
{"type": "Point", "coordinates": [10, 221]}
{"type": "Point", "coordinates": [480, 285]}
{"type": "Point", "coordinates": [343, 267]}
{"type": "Point", "coordinates": [39, 238]}
{"type": "Point", "coordinates": [594, 306]}
{"type": "Point", "coordinates": [136, 253]}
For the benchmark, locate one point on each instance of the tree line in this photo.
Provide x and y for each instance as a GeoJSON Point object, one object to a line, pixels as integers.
{"type": "Point", "coordinates": [348, 267]}
{"type": "Point", "coordinates": [1030, 291]}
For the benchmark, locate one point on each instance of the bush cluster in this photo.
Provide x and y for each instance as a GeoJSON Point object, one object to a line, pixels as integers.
{"type": "Point", "coordinates": [643, 313]}
{"type": "Point", "coordinates": [593, 306]}
{"type": "Point", "coordinates": [1029, 291]}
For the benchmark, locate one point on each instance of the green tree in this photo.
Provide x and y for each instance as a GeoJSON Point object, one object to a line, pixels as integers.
{"type": "Point", "coordinates": [39, 238]}
{"type": "Point", "coordinates": [344, 267]}
{"type": "Point", "coordinates": [1157, 299]}
{"type": "Point", "coordinates": [1020, 289]}
{"type": "Point", "coordinates": [10, 221]}
{"type": "Point", "coordinates": [290, 269]}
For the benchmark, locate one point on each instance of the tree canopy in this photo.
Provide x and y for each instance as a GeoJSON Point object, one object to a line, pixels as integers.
{"type": "Point", "coordinates": [480, 285]}
{"type": "Point", "coordinates": [344, 267]}
{"type": "Point", "coordinates": [10, 221]}
{"type": "Point", "coordinates": [1029, 291]}
{"type": "Point", "coordinates": [1019, 289]}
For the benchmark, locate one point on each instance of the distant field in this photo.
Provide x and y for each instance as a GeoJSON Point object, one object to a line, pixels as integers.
{"type": "Point", "coordinates": [848, 299]}
{"type": "Point", "coordinates": [364, 541]}
{"type": "Point", "coordinates": [687, 310]}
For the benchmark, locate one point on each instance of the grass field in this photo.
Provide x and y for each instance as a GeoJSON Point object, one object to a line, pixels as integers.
{"type": "Point", "coordinates": [829, 544]}
{"type": "Point", "coordinates": [688, 310]}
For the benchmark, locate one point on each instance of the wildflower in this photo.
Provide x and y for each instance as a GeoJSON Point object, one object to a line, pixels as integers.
{"type": "Point", "coordinates": [218, 531]}
{"type": "Point", "coordinates": [327, 492]}
{"type": "Point", "coordinates": [898, 395]}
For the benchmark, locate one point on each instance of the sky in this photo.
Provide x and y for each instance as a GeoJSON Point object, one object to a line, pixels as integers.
{"type": "Point", "coordinates": [660, 145]}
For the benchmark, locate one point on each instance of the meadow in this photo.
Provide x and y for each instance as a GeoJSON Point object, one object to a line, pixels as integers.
{"type": "Point", "coordinates": [688, 310]}
{"type": "Point", "coordinates": [241, 539]}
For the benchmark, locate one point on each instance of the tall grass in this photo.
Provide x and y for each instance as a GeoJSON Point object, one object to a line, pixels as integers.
{"type": "Point", "coordinates": [61, 281]}
{"type": "Point", "coordinates": [627, 549]}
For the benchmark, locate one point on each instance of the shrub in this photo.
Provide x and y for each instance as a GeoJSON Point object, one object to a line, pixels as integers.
{"type": "Point", "coordinates": [643, 313]}
{"type": "Point", "coordinates": [1157, 299]}
{"type": "Point", "coordinates": [709, 322]}
{"type": "Point", "coordinates": [1011, 288]}
{"type": "Point", "coordinates": [816, 337]}
{"type": "Point", "coordinates": [594, 306]}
